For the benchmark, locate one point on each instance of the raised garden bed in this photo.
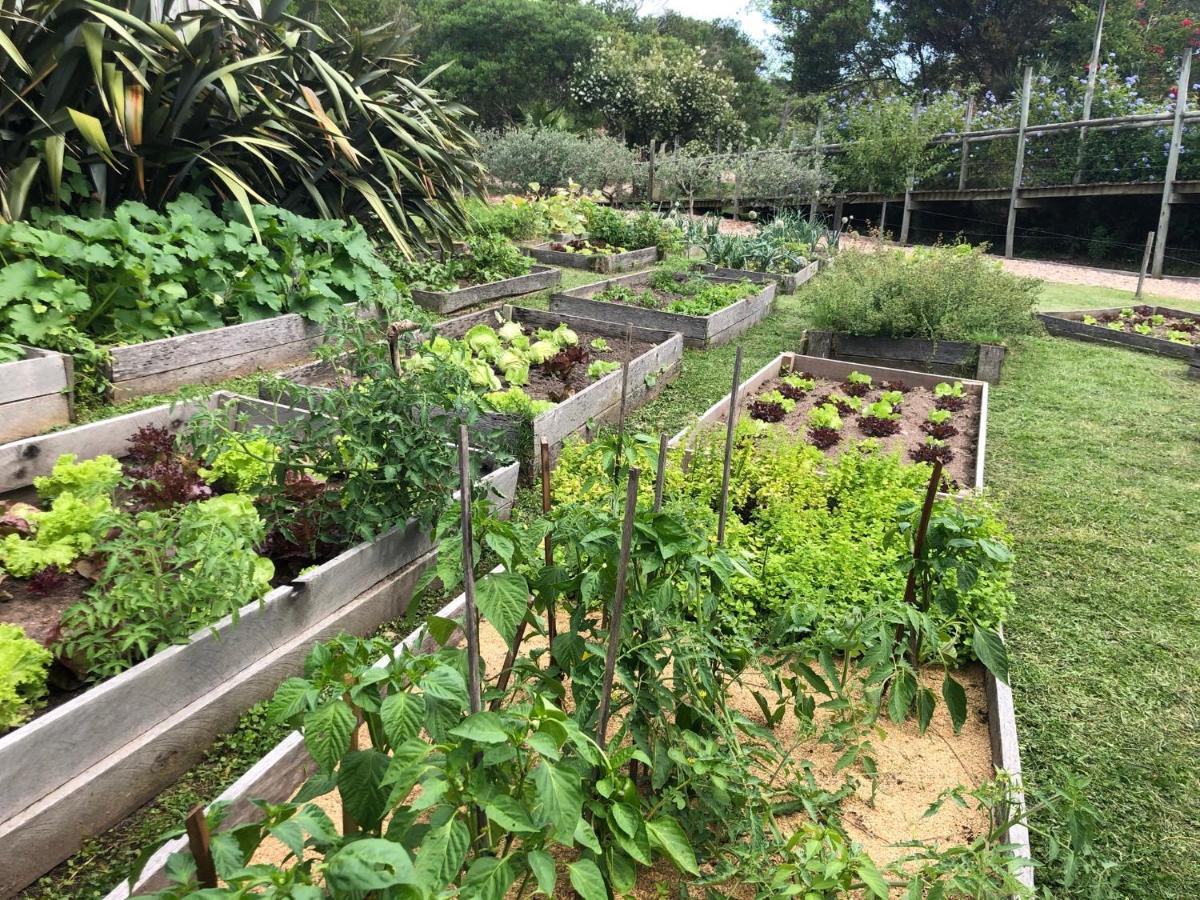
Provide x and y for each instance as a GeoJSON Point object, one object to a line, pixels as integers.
{"type": "Point", "coordinates": [701, 332]}
{"type": "Point", "coordinates": [968, 446]}
{"type": "Point", "coordinates": [162, 366]}
{"type": "Point", "coordinates": [1097, 329]}
{"type": "Point", "coordinates": [442, 302]}
{"type": "Point", "coordinates": [979, 361]}
{"type": "Point", "coordinates": [654, 356]}
{"type": "Point", "coordinates": [36, 393]}
{"type": "Point", "coordinates": [86, 763]}
{"type": "Point", "coordinates": [605, 263]}
{"type": "Point", "coordinates": [789, 282]}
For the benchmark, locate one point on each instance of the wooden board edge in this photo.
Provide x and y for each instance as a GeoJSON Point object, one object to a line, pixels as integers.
{"type": "Point", "coordinates": [1006, 756]}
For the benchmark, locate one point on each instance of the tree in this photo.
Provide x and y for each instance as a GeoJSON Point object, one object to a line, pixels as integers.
{"type": "Point", "coordinates": [505, 56]}
{"type": "Point", "coordinates": [649, 87]}
{"type": "Point", "coordinates": [829, 42]}
{"type": "Point", "coordinates": [338, 16]}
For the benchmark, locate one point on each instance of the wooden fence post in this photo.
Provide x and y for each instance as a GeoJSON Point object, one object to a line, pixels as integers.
{"type": "Point", "coordinates": [1010, 233]}
{"type": "Point", "coordinates": [906, 216]}
{"type": "Point", "coordinates": [737, 190]}
{"type": "Point", "coordinates": [966, 145]}
{"type": "Point", "coordinates": [1090, 93]}
{"type": "Point", "coordinates": [650, 181]}
{"type": "Point", "coordinates": [1137, 295]}
{"type": "Point", "coordinates": [1164, 212]}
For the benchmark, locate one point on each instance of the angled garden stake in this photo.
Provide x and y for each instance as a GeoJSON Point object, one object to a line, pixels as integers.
{"type": "Point", "coordinates": [621, 410]}
{"type": "Point", "coordinates": [200, 844]}
{"type": "Point", "coordinates": [661, 474]}
{"type": "Point", "coordinates": [935, 482]}
{"type": "Point", "coordinates": [470, 614]}
{"type": "Point", "coordinates": [614, 627]}
{"type": "Point", "coordinates": [731, 424]}
{"type": "Point", "coordinates": [551, 623]}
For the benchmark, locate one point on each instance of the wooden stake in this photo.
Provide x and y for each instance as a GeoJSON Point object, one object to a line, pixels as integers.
{"type": "Point", "coordinates": [966, 145]}
{"type": "Point", "coordinates": [1145, 265]}
{"type": "Point", "coordinates": [551, 621]}
{"type": "Point", "coordinates": [621, 410]}
{"type": "Point", "coordinates": [686, 463]}
{"type": "Point", "coordinates": [614, 629]}
{"type": "Point", "coordinates": [660, 476]}
{"type": "Point", "coordinates": [200, 843]}
{"type": "Point", "coordinates": [935, 482]}
{"type": "Point", "coordinates": [1090, 92]}
{"type": "Point", "coordinates": [731, 424]}
{"type": "Point", "coordinates": [470, 614]}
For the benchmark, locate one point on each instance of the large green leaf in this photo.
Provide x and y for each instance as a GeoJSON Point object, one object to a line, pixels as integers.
{"type": "Point", "coordinates": [360, 784]}
{"type": "Point", "coordinates": [667, 835]}
{"type": "Point", "coordinates": [560, 798]}
{"type": "Point", "coordinates": [327, 732]}
{"type": "Point", "coordinates": [371, 864]}
{"type": "Point", "coordinates": [989, 647]}
{"type": "Point", "coordinates": [402, 714]}
{"type": "Point", "coordinates": [483, 728]}
{"type": "Point", "coordinates": [488, 878]}
{"type": "Point", "coordinates": [587, 880]}
{"type": "Point", "coordinates": [503, 599]}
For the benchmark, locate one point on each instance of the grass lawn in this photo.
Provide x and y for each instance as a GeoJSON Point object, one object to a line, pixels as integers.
{"type": "Point", "coordinates": [1093, 461]}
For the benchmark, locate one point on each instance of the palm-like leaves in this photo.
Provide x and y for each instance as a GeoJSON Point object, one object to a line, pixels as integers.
{"type": "Point", "coordinates": [150, 99]}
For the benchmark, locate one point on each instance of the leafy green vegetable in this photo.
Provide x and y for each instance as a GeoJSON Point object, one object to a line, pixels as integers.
{"type": "Point", "coordinates": [87, 479]}
{"type": "Point", "coordinates": [599, 368]}
{"type": "Point", "coordinates": [945, 389]}
{"type": "Point", "coordinates": [516, 402]}
{"type": "Point", "coordinates": [61, 535]}
{"type": "Point", "coordinates": [825, 416]}
{"type": "Point", "coordinates": [859, 378]}
{"type": "Point", "coordinates": [23, 665]}
{"type": "Point", "coordinates": [248, 465]}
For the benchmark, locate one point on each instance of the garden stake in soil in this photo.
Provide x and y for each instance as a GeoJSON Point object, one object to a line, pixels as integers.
{"type": "Point", "coordinates": [731, 425]}
{"type": "Point", "coordinates": [935, 482]}
{"type": "Point", "coordinates": [200, 844]}
{"type": "Point", "coordinates": [471, 615]}
{"type": "Point", "coordinates": [614, 628]}
{"type": "Point", "coordinates": [621, 410]}
{"type": "Point", "coordinates": [661, 474]}
{"type": "Point", "coordinates": [551, 624]}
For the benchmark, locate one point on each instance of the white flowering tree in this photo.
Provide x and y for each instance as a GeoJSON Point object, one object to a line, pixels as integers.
{"type": "Point", "coordinates": [651, 87]}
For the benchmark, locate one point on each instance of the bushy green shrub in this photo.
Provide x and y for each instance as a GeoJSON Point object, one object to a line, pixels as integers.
{"type": "Point", "coordinates": [552, 158]}
{"type": "Point", "coordinates": [937, 293]}
{"type": "Point", "coordinates": [644, 229]}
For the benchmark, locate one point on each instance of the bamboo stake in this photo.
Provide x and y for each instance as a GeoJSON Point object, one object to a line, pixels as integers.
{"type": "Point", "coordinates": [470, 615]}
{"type": "Point", "coordinates": [624, 400]}
{"type": "Point", "coordinates": [200, 844]}
{"type": "Point", "coordinates": [731, 424]}
{"type": "Point", "coordinates": [660, 476]}
{"type": "Point", "coordinates": [618, 607]}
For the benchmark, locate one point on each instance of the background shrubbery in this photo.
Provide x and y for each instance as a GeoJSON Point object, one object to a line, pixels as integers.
{"type": "Point", "coordinates": [937, 293]}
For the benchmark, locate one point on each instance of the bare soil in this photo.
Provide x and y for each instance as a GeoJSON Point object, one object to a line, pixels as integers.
{"type": "Point", "coordinates": [913, 412]}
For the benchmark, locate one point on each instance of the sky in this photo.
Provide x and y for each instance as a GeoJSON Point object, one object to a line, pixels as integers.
{"type": "Point", "coordinates": [752, 21]}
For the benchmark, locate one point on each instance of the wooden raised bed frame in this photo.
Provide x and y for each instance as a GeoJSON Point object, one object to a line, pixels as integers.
{"type": "Point", "coordinates": [82, 767]}
{"type": "Point", "coordinates": [580, 414]}
{"type": "Point", "coordinates": [539, 278]}
{"type": "Point", "coordinates": [36, 393]}
{"type": "Point", "coordinates": [788, 282]}
{"type": "Point", "coordinates": [700, 332]}
{"type": "Point", "coordinates": [604, 263]}
{"type": "Point", "coordinates": [979, 361]}
{"type": "Point", "coordinates": [162, 366]}
{"type": "Point", "coordinates": [836, 369]}
{"type": "Point", "coordinates": [1070, 324]}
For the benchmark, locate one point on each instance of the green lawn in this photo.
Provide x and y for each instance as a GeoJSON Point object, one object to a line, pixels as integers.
{"type": "Point", "coordinates": [1092, 458]}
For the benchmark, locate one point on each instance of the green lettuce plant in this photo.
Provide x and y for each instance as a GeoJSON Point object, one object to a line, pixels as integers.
{"type": "Point", "coordinates": [23, 665]}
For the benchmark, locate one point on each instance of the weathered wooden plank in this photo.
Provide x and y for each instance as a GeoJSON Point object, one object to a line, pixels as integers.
{"type": "Point", "coordinates": [1006, 755]}
{"type": "Point", "coordinates": [951, 353]}
{"type": "Point", "coordinates": [22, 418]}
{"type": "Point", "coordinates": [99, 797]}
{"type": "Point", "coordinates": [277, 776]}
{"type": "Point", "coordinates": [21, 461]}
{"type": "Point", "coordinates": [537, 318]}
{"type": "Point", "coordinates": [220, 368]}
{"type": "Point", "coordinates": [182, 351]}
{"type": "Point", "coordinates": [605, 264]}
{"type": "Point", "coordinates": [788, 281]}
{"type": "Point", "coordinates": [40, 373]}
{"type": "Point", "coordinates": [538, 279]}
